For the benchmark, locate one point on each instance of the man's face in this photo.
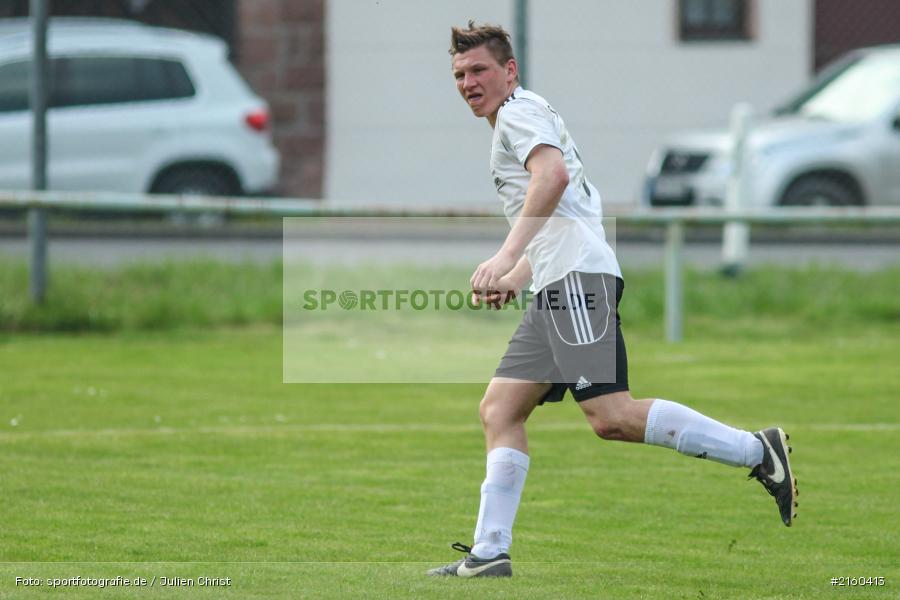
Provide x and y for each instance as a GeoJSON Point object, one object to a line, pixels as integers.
{"type": "Point", "coordinates": [483, 83]}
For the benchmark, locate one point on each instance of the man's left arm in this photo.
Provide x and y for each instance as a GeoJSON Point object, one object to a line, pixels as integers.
{"type": "Point", "coordinates": [549, 179]}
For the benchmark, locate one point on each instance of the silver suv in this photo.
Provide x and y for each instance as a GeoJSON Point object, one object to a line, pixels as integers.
{"type": "Point", "coordinates": [134, 108]}
{"type": "Point", "coordinates": [837, 143]}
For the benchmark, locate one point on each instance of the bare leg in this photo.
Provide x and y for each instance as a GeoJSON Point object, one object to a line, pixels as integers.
{"type": "Point", "coordinates": [617, 416]}
{"type": "Point", "coordinates": [506, 405]}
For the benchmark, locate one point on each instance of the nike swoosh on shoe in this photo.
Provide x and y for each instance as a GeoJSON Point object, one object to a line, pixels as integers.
{"type": "Point", "coordinates": [466, 571]}
{"type": "Point", "coordinates": [778, 475]}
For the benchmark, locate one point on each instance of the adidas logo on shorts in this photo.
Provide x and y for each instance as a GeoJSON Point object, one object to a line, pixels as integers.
{"type": "Point", "coordinates": [582, 383]}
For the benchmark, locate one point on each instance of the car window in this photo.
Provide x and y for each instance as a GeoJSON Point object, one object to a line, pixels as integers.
{"type": "Point", "coordinates": [14, 82]}
{"type": "Point", "coordinates": [163, 79]}
{"type": "Point", "coordinates": [85, 81]}
{"type": "Point", "coordinates": [863, 90]}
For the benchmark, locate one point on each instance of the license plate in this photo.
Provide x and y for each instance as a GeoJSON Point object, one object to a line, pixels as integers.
{"type": "Point", "coordinates": [669, 188]}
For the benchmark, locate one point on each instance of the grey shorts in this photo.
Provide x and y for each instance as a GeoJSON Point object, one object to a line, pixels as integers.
{"type": "Point", "coordinates": [570, 336]}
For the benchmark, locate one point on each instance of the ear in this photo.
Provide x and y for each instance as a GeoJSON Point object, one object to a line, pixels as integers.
{"type": "Point", "coordinates": [512, 69]}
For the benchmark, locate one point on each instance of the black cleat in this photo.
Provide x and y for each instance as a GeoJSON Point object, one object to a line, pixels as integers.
{"type": "Point", "coordinates": [473, 566]}
{"type": "Point", "coordinates": [774, 472]}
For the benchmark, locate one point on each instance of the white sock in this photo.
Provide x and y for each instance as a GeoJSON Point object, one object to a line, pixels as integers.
{"type": "Point", "coordinates": [676, 426]}
{"type": "Point", "coordinates": [500, 493]}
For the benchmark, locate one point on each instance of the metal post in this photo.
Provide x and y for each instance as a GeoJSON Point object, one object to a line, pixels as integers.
{"type": "Point", "coordinates": [37, 218]}
{"type": "Point", "coordinates": [735, 235]}
{"type": "Point", "coordinates": [674, 274]}
{"type": "Point", "coordinates": [521, 40]}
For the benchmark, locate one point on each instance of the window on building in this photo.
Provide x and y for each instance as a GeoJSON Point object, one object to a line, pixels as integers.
{"type": "Point", "coordinates": [714, 20]}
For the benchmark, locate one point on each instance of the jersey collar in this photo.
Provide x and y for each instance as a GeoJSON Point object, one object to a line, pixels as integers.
{"type": "Point", "coordinates": [512, 96]}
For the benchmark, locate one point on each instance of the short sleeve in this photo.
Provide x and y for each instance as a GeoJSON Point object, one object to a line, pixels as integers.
{"type": "Point", "coordinates": [523, 125]}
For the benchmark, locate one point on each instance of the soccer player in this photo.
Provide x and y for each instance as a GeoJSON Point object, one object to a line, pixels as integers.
{"type": "Point", "coordinates": [570, 336]}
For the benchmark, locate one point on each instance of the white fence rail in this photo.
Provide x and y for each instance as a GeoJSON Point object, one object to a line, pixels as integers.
{"type": "Point", "coordinates": [673, 219]}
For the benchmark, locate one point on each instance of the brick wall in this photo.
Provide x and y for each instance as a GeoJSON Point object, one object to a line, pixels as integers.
{"type": "Point", "coordinates": [281, 53]}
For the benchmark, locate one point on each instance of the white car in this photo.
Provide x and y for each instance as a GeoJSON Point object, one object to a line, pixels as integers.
{"type": "Point", "coordinates": [837, 143]}
{"type": "Point", "coordinates": [134, 108]}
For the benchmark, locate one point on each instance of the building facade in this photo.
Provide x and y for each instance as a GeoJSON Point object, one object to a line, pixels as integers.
{"type": "Point", "coordinates": [365, 109]}
{"type": "Point", "coordinates": [622, 74]}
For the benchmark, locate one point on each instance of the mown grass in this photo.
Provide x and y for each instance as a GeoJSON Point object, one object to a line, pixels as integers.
{"type": "Point", "coordinates": [181, 453]}
{"type": "Point", "coordinates": [169, 446]}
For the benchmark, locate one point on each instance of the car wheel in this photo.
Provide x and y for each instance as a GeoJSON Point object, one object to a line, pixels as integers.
{"type": "Point", "coordinates": [203, 182]}
{"type": "Point", "coordinates": [820, 191]}
{"type": "Point", "coordinates": [200, 182]}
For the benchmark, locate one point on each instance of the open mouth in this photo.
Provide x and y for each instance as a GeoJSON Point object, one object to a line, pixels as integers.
{"type": "Point", "coordinates": [474, 98]}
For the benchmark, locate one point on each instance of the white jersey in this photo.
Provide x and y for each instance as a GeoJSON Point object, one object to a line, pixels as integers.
{"type": "Point", "coordinates": [573, 239]}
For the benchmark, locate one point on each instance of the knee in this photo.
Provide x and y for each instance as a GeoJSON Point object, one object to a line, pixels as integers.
{"type": "Point", "coordinates": [494, 414]}
{"type": "Point", "coordinates": [610, 424]}
{"type": "Point", "coordinates": [488, 411]}
{"type": "Point", "coordinates": [607, 430]}
{"type": "Point", "coordinates": [612, 417]}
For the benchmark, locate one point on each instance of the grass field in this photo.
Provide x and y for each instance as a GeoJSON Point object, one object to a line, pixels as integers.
{"type": "Point", "coordinates": [179, 453]}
